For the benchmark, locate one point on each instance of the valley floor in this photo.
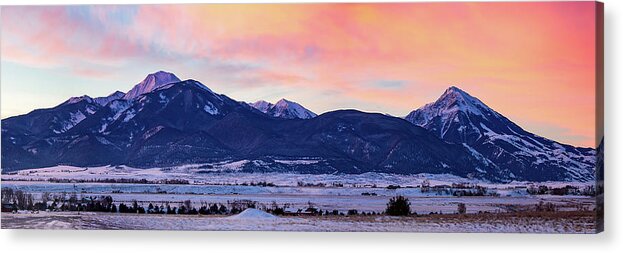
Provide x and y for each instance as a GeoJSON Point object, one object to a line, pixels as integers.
{"type": "Point", "coordinates": [524, 222]}
{"type": "Point", "coordinates": [507, 208]}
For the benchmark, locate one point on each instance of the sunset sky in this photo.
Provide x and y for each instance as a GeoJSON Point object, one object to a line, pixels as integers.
{"type": "Point", "coordinates": [532, 62]}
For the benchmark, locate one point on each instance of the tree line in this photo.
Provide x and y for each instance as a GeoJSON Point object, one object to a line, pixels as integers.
{"type": "Point", "coordinates": [119, 181]}
{"type": "Point", "coordinates": [588, 190]}
{"type": "Point", "coordinates": [19, 200]}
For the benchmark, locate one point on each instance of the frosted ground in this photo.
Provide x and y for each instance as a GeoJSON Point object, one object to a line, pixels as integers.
{"type": "Point", "coordinates": [220, 187]}
{"type": "Point", "coordinates": [502, 223]}
{"type": "Point", "coordinates": [365, 192]}
{"type": "Point", "coordinates": [226, 173]}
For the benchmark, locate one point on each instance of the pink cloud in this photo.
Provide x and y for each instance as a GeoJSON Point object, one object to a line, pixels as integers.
{"type": "Point", "coordinates": [50, 36]}
{"type": "Point", "coordinates": [502, 52]}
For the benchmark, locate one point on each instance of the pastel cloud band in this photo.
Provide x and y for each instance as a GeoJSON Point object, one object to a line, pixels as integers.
{"type": "Point", "coordinates": [530, 61]}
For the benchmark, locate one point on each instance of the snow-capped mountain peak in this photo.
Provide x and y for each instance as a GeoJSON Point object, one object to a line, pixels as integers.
{"type": "Point", "coordinates": [291, 110]}
{"type": "Point", "coordinates": [455, 99]}
{"type": "Point", "coordinates": [98, 100]}
{"type": "Point", "coordinates": [454, 93]}
{"type": "Point", "coordinates": [285, 104]}
{"type": "Point", "coordinates": [460, 118]}
{"type": "Point", "coordinates": [283, 109]}
{"type": "Point", "coordinates": [150, 83]}
{"type": "Point", "coordinates": [454, 105]}
{"type": "Point", "coordinates": [261, 105]}
{"type": "Point", "coordinates": [105, 100]}
{"type": "Point", "coordinates": [116, 94]}
{"type": "Point", "coordinates": [74, 100]}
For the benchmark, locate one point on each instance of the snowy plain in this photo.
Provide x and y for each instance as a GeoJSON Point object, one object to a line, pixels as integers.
{"type": "Point", "coordinates": [225, 173]}
{"type": "Point", "coordinates": [260, 221]}
{"type": "Point", "coordinates": [363, 192]}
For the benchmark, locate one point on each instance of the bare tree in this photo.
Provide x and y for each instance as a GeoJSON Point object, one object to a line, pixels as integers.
{"type": "Point", "coordinates": [461, 208]}
{"type": "Point", "coordinates": [8, 195]}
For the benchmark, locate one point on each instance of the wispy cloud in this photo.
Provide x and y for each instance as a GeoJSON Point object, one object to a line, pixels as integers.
{"type": "Point", "coordinates": [388, 84]}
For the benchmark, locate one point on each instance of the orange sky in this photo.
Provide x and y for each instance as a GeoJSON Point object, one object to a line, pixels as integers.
{"type": "Point", "coordinates": [531, 61]}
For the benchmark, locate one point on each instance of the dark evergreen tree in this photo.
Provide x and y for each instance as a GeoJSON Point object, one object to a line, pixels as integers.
{"type": "Point", "coordinates": [398, 206]}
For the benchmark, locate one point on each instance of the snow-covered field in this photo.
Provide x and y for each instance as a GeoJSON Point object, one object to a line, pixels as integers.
{"type": "Point", "coordinates": [365, 193]}
{"type": "Point", "coordinates": [341, 199]}
{"type": "Point", "coordinates": [575, 223]}
{"type": "Point", "coordinates": [195, 174]}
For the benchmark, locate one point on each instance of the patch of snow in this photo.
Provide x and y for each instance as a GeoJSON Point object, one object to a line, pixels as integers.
{"type": "Point", "coordinates": [129, 115]}
{"type": "Point", "coordinates": [253, 214]}
{"type": "Point", "coordinates": [152, 132]}
{"type": "Point", "coordinates": [210, 108]}
{"type": "Point", "coordinates": [74, 119]}
{"type": "Point", "coordinates": [163, 98]}
{"type": "Point", "coordinates": [297, 162]}
{"type": "Point", "coordinates": [478, 156]}
{"type": "Point", "coordinates": [103, 140]}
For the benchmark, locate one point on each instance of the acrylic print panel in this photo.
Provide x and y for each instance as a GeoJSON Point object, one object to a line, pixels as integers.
{"type": "Point", "coordinates": [412, 117]}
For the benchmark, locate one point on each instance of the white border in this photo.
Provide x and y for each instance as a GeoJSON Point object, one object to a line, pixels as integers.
{"type": "Point", "coordinates": [175, 241]}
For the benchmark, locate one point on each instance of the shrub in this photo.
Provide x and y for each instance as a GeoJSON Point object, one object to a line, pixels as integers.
{"type": "Point", "coordinates": [278, 211]}
{"type": "Point", "coordinates": [393, 187]}
{"type": "Point", "coordinates": [398, 206]}
{"type": "Point", "coordinates": [461, 209]}
{"type": "Point", "coordinates": [546, 207]}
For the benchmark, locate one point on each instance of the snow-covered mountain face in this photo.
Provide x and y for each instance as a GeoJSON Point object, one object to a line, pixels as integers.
{"type": "Point", "coordinates": [169, 123]}
{"type": "Point", "coordinates": [290, 110]}
{"type": "Point", "coordinates": [62, 118]}
{"type": "Point", "coordinates": [59, 119]}
{"type": "Point", "coordinates": [74, 100]}
{"type": "Point", "coordinates": [151, 82]}
{"type": "Point", "coordinates": [284, 109]}
{"type": "Point", "coordinates": [262, 106]}
{"type": "Point", "coordinates": [186, 123]}
{"type": "Point", "coordinates": [102, 101]}
{"type": "Point", "coordinates": [105, 100]}
{"type": "Point", "coordinates": [458, 117]}
{"type": "Point", "coordinates": [183, 105]}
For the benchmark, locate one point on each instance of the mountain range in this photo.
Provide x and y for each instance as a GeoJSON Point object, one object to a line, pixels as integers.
{"type": "Point", "coordinates": [284, 109]}
{"type": "Point", "coordinates": [164, 121]}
